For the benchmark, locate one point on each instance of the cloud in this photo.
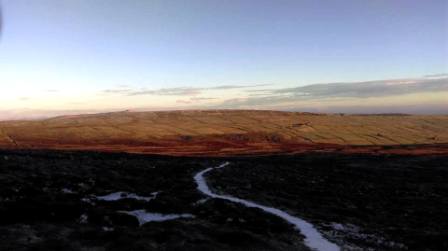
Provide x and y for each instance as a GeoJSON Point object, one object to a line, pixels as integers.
{"type": "Point", "coordinates": [339, 91]}
{"type": "Point", "coordinates": [193, 100]}
{"type": "Point", "coordinates": [255, 101]}
{"type": "Point", "coordinates": [201, 98]}
{"type": "Point", "coordinates": [338, 96]}
{"type": "Point", "coordinates": [177, 91]}
{"type": "Point", "coordinates": [360, 89]}
{"type": "Point", "coordinates": [368, 89]}
{"type": "Point", "coordinates": [117, 91]}
{"type": "Point", "coordinates": [228, 87]}
{"type": "Point", "coordinates": [180, 91]}
{"type": "Point", "coordinates": [441, 75]}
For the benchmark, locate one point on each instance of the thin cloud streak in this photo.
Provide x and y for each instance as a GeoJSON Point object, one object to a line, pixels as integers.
{"type": "Point", "coordinates": [201, 98]}
{"type": "Point", "coordinates": [377, 88]}
{"type": "Point", "coordinates": [181, 91]}
{"type": "Point", "coordinates": [228, 87]}
{"type": "Point", "coordinates": [116, 91]}
{"type": "Point", "coordinates": [441, 75]}
{"type": "Point", "coordinates": [177, 91]}
{"type": "Point", "coordinates": [412, 95]}
{"type": "Point", "coordinates": [322, 93]}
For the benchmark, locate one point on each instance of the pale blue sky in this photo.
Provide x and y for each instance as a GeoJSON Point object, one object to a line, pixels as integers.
{"type": "Point", "coordinates": [82, 47]}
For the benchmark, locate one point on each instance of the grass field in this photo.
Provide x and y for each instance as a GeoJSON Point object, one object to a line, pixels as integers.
{"type": "Point", "coordinates": [223, 132]}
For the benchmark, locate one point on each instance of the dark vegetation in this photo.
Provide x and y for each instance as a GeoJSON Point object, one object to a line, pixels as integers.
{"type": "Point", "coordinates": [358, 201]}
{"type": "Point", "coordinates": [44, 198]}
{"type": "Point", "coordinates": [384, 202]}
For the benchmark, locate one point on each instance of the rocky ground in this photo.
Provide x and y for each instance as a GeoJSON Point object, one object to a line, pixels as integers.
{"type": "Point", "coordinates": [51, 201]}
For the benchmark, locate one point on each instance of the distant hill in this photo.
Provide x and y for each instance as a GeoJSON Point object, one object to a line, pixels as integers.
{"type": "Point", "coordinates": [229, 132]}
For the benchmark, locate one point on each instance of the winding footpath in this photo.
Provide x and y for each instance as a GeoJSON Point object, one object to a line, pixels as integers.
{"type": "Point", "coordinates": [313, 239]}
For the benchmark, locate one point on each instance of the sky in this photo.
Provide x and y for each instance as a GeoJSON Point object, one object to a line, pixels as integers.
{"type": "Point", "coordinates": [355, 56]}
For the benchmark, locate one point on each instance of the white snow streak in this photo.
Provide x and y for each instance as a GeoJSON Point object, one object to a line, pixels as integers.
{"type": "Point", "coordinates": [313, 239]}
{"type": "Point", "coordinates": [144, 217]}
{"type": "Point", "coordinates": [125, 195]}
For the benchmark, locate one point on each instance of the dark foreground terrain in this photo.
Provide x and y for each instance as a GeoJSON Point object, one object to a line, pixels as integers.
{"type": "Point", "coordinates": [50, 201]}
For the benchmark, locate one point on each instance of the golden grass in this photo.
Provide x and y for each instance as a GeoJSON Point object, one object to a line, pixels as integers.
{"type": "Point", "coordinates": [179, 131]}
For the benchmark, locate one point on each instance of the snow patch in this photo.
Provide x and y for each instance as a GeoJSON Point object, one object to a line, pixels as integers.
{"type": "Point", "coordinates": [125, 195]}
{"type": "Point", "coordinates": [353, 232]}
{"type": "Point", "coordinates": [201, 201]}
{"type": "Point", "coordinates": [88, 201]}
{"type": "Point", "coordinates": [145, 217]}
{"type": "Point", "coordinates": [313, 239]}
{"type": "Point", "coordinates": [83, 219]}
{"type": "Point", "coordinates": [108, 229]}
{"type": "Point", "coordinates": [67, 191]}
